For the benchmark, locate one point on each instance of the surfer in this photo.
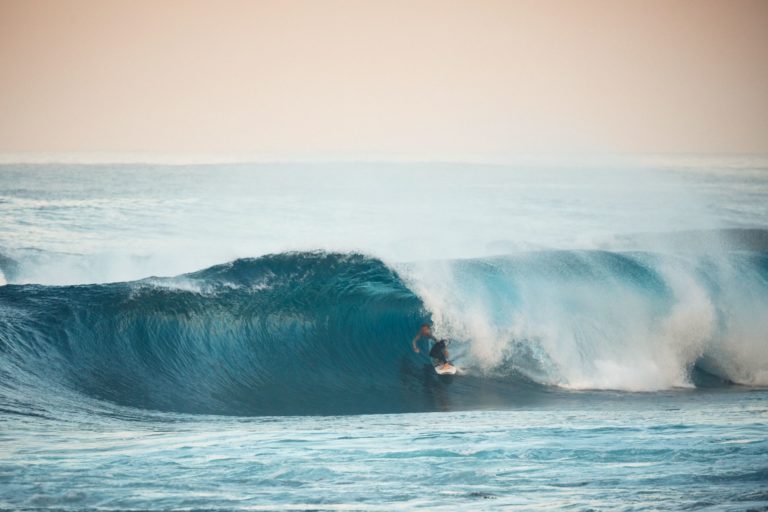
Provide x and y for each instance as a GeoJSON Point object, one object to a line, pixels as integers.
{"type": "Point", "coordinates": [438, 352]}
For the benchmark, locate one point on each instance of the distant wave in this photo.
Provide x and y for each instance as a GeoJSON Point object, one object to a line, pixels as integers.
{"type": "Point", "coordinates": [320, 333]}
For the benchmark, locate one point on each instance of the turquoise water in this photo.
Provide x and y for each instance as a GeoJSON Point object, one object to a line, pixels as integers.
{"type": "Point", "coordinates": [238, 336]}
{"type": "Point", "coordinates": [681, 451]}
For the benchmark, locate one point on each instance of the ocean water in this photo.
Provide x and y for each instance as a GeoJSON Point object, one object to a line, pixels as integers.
{"type": "Point", "coordinates": [237, 336]}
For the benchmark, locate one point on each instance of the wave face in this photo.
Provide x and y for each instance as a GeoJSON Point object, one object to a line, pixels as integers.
{"type": "Point", "coordinates": [317, 333]}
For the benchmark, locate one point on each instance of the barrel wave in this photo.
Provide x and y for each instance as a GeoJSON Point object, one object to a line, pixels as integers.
{"type": "Point", "coordinates": [326, 333]}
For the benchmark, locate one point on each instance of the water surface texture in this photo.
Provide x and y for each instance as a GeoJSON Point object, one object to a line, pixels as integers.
{"type": "Point", "coordinates": [238, 336]}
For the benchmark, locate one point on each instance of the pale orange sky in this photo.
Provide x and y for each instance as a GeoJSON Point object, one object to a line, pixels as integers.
{"type": "Point", "coordinates": [429, 79]}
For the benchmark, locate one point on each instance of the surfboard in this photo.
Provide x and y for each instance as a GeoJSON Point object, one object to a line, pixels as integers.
{"type": "Point", "coordinates": [447, 369]}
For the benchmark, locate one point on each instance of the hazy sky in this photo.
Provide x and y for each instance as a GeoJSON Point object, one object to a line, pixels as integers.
{"type": "Point", "coordinates": [428, 79]}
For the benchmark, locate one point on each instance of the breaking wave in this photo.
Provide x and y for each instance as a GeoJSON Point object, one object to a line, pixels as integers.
{"type": "Point", "coordinates": [325, 333]}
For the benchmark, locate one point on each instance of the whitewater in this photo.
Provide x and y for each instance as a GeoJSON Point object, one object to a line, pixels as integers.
{"type": "Point", "coordinates": [238, 335]}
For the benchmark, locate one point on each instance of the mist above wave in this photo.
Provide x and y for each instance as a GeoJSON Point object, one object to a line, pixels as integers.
{"type": "Point", "coordinates": [73, 223]}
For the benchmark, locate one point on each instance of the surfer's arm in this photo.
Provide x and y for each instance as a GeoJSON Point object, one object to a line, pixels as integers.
{"type": "Point", "coordinates": [418, 337]}
{"type": "Point", "coordinates": [413, 343]}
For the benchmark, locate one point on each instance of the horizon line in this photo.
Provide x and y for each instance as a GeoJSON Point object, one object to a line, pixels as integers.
{"type": "Point", "coordinates": [154, 158]}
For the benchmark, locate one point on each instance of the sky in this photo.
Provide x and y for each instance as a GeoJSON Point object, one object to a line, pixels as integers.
{"type": "Point", "coordinates": [424, 79]}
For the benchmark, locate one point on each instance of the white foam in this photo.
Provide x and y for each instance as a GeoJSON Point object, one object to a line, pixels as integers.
{"type": "Point", "coordinates": [602, 332]}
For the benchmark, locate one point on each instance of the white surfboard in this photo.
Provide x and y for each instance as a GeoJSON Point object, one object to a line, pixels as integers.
{"type": "Point", "coordinates": [446, 369]}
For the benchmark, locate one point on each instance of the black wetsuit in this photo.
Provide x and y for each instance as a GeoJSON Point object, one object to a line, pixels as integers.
{"type": "Point", "coordinates": [437, 352]}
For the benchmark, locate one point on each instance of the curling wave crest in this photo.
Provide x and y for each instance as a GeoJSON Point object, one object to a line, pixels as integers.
{"type": "Point", "coordinates": [329, 333]}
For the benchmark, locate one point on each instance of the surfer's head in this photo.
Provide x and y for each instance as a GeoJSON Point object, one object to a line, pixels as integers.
{"type": "Point", "coordinates": [425, 330]}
